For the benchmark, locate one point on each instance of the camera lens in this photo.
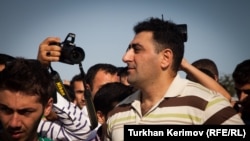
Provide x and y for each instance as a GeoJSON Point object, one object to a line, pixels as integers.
{"type": "Point", "coordinates": [77, 55]}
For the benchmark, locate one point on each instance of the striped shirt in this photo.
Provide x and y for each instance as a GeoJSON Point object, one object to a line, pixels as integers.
{"type": "Point", "coordinates": [73, 124]}
{"type": "Point", "coordinates": [184, 103]}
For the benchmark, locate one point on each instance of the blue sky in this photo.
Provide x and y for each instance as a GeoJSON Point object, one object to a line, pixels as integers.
{"type": "Point", "coordinates": [217, 29]}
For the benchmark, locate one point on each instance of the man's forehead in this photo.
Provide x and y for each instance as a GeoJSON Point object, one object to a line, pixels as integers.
{"type": "Point", "coordinates": [104, 75]}
{"type": "Point", "coordinates": [20, 102]}
{"type": "Point", "coordinates": [142, 35]}
{"type": "Point", "coordinates": [141, 38]}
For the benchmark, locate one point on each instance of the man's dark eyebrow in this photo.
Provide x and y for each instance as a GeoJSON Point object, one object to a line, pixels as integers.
{"type": "Point", "coordinates": [3, 105]}
{"type": "Point", "coordinates": [133, 45]}
{"type": "Point", "coordinates": [6, 106]}
{"type": "Point", "coordinates": [129, 46]}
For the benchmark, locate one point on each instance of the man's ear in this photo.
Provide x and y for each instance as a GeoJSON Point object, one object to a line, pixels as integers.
{"type": "Point", "coordinates": [100, 117]}
{"type": "Point", "coordinates": [48, 107]}
{"type": "Point", "coordinates": [167, 58]}
{"type": "Point", "coordinates": [88, 86]}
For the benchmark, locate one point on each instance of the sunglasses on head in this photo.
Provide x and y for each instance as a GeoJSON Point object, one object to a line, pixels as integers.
{"type": "Point", "coordinates": [238, 91]}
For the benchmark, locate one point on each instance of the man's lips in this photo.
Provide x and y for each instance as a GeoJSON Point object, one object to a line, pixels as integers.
{"type": "Point", "coordinates": [16, 135]}
{"type": "Point", "coordinates": [130, 69]}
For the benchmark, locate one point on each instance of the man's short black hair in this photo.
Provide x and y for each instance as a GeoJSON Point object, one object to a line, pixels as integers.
{"type": "Point", "coordinates": [5, 58]}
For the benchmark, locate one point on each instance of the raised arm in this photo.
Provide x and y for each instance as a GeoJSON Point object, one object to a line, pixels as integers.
{"type": "Point", "coordinates": [203, 79]}
{"type": "Point", "coordinates": [72, 124]}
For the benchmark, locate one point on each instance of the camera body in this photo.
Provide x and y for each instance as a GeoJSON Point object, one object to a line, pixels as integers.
{"type": "Point", "coordinates": [183, 30]}
{"type": "Point", "coordinates": [70, 53]}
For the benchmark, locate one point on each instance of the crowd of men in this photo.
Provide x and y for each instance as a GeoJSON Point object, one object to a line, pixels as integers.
{"type": "Point", "coordinates": [148, 90]}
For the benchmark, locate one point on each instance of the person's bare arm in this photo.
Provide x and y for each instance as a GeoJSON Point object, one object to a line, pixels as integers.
{"type": "Point", "coordinates": [203, 79]}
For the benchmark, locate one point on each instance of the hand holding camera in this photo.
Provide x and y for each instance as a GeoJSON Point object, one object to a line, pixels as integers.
{"type": "Point", "coordinates": [70, 53]}
{"type": "Point", "coordinates": [51, 50]}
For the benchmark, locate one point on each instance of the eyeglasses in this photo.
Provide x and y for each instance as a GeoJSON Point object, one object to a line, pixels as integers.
{"type": "Point", "coordinates": [238, 91]}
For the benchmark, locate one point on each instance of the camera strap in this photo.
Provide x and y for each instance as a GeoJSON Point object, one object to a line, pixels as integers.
{"type": "Point", "coordinates": [59, 85]}
{"type": "Point", "coordinates": [89, 103]}
{"type": "Point", "coordinates": [87, 95]}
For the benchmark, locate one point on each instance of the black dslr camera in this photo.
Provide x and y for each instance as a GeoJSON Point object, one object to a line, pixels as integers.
{"type": "Point", "coordinates": [183, 30]}
{"type": "Point", "coordinates": [70, 53]}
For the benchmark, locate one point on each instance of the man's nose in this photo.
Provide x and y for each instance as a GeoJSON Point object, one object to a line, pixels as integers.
{"type": "Point", "coordinates": [127, 56]}
{"type": "Point", "coordinates": [15, 121]}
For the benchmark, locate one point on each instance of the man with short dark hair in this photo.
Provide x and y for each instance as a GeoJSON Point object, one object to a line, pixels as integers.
{"type": "Point", "coordinates": [241, 77]}
{"type": "Point", "coordinates": [153, 58]}
{"type": "Point", "coordinates": [26, 90]}
{"type": "Point", "coordinates": [105, 99]}
{"type": "Point", "coordinates": [100, 74]}
{"type": "Point", "coordinates": [76, 84]}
